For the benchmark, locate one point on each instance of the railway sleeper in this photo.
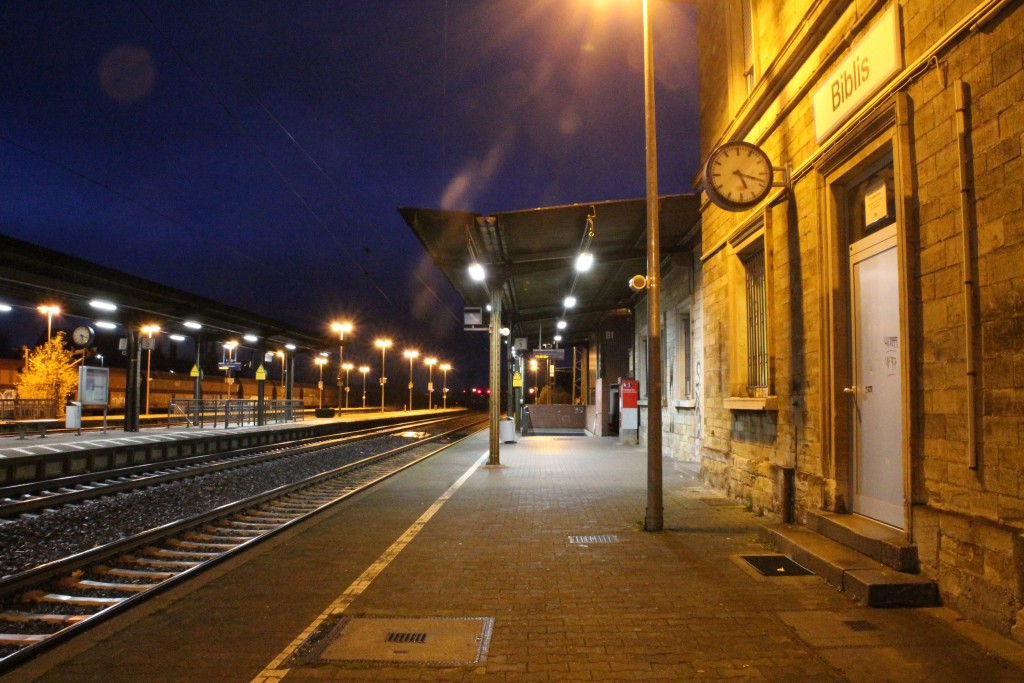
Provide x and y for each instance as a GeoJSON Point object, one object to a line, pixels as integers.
{"type": "Point", "coordinates": [20, 639]}
{"type": "Point", "coordinates": [202, 545]}
{"type": "Point", "coordinates": [61, 599]}
{"type": "Point", "coordinates": [64, 619]}
{"type": "Point", "coordinates": [88, 584]}
{"type": "Point", "coordinates": [154, 562]}
{"type": "Point", "coordinates": [154, 551]}
{"type": "Point", "coordinates": [201, 537]}
{"type": "Point", "coordinates": [151, 574]}
{"type": "Point", "coordinates": [237, 531]}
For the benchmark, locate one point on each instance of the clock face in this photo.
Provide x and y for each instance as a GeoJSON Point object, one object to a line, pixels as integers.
{"type": "Point", "coordinates": [82, 336]}
{"type": "Point", "coordinates": [738, 175]}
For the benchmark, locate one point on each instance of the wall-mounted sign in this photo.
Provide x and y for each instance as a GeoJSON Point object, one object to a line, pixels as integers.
{"type": "Point", "coordinates": [473, 319]}
{"type": "Point", "coordinates": [93, 386]}
{"type": "Point", "coordinates": [878, 202]}
{"type": "Point", "coordinates": [868, 66]}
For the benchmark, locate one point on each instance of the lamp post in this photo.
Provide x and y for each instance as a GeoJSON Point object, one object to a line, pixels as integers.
{"type": "Point", "coordinates": [411, 354]}
{"type": "Point", "coordinates": [536, 388]}
{"type": "Point", "coordinates": [383, 345]}
{"type": "Point", "coordinates": [364, 369]}
{"type": "Point", "coordinates": [347, 367]}
{"type": "Point", "coordinates": [654, 519]}
{"type": "Point", "coordinates": [430, 381]}
{"type": "Point", "coordinates": [148, 330]}
{"type": "Point", "coordinates": [49, 312]}
{"type": "Point", "coordinates": [341, 328]}
{"type": "Point", "coordinates": [284, 364]}
{"type": "Point", "coordinates": [445, 367]}
{"type": "Point", "coordinates": [321, 361]}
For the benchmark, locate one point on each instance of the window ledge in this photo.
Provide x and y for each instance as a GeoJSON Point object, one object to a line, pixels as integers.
{"type": "Point", "coordinates": [684, 403]}
{"type": "Point", "coordinates": [757, 403]}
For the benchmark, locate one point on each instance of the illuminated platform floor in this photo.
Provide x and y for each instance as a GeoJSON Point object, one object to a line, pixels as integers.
{"type": "Point", "coordinates": [535, 570]}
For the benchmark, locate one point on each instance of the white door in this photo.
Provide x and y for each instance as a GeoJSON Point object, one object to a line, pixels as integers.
{"type": "Point", "coordinates": [877, 391]}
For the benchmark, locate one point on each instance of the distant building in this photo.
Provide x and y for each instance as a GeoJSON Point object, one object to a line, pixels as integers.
{"type": "Point", "coordinates": [862, 330]}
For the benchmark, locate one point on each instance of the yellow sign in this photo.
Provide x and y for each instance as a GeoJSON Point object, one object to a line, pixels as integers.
{"type": "Point", "coordinates": [261, 374]}
{"type": "Point", "coordinates": [517, 380]}
{"type": "Point", "coordinates": [195, 371]}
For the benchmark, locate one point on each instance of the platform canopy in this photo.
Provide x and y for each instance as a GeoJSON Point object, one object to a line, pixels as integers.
{"type": "Point", "coordinates": [531, 256]}
{"type": "Point", "coordinates": [30, 274]}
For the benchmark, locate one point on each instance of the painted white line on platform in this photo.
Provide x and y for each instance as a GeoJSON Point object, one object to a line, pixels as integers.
{"type": "Point", "coordinates": [273, 672]}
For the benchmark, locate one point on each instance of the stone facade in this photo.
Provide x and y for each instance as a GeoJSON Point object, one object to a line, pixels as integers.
{"type": "Point", "coordinates": [682, 357]}
{"type": "Point", "coordinates": [964, 512]}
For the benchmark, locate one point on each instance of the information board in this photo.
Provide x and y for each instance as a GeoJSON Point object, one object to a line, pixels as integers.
{"type": "Point", "coordinates": [93, 386]}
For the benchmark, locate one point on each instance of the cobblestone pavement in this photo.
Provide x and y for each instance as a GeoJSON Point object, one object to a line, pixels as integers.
{"type": "Point", "coordinates": [550, 547]}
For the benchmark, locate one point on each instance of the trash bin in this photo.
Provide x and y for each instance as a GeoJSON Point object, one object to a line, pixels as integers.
{"type": "Point", "coordinates": [73, 415]}
{"type": "Point", "coordinates": [507, 430]}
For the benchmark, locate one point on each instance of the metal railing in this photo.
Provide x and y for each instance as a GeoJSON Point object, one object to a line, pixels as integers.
{"type": "Point", "coordinates": [192, 412]}
{"type": "Point", "coordinates": [27, 409]}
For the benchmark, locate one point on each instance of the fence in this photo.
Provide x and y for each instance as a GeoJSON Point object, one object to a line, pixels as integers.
{"type": "Point", "coordinates": [231, 411]}
{"type": "Point", "coordinates": [27, 409]}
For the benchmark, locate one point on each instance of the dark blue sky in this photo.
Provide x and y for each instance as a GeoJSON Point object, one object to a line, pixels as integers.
{"type": "Point", "coordinates": [255, 152]}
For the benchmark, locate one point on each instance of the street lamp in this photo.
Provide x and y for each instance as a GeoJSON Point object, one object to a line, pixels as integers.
{"type": "Point", "coordinates": [445, 367]}
{"type": "Point", "coordinates": [149, 330]}
{"type": "Point", "coordinates": [533, 366]}
{"type": "Point", "coordinates": [411, 355]}
{"type": "Point", "coordinates": [383, 345]}
{"type": "Point", "coordinates": [654, 519]}
{"type": "Point", "coordinates": [321, 361]}
{"type": "Point", "coordinates": [364, 369]}
{"type": "Point", "coordinates": [430, 381]}
{"type": "Point", "coordinates": [341, 329]}
{"type": "Point", "coordinates": [49, 312]}
{"type": "Point", "coordinates": [280, 354]}
{"type": "Point", "coordinates": [347, 367]}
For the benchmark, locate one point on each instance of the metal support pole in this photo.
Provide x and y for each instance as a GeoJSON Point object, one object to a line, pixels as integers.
{"type": "Point", "coordinates": [495, 373]}
{"type": "Point", "coordinates": [131, 404]}
{"type": "Point", "coordinates": [654, 520]}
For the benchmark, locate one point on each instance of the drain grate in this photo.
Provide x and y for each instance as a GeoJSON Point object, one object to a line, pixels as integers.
{"type": "Point", "coordinates": [860, 625]}
{"type": "Point", "coordinates": [775, 565]}
{"type": "Point", "coordinates": [600, 538]}
{"type": "Point", "coordinates": [398, 641]}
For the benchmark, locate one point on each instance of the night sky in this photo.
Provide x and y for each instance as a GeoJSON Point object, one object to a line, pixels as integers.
{"type": "Point", "coordinates": [255, 152]}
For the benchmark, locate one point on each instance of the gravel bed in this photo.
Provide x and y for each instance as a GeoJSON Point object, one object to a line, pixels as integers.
{"type": "Point", "coordinates": [32, 540]}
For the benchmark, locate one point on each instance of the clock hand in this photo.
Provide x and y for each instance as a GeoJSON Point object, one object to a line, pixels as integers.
{"type": "Point", "coordinates": [738, 174]}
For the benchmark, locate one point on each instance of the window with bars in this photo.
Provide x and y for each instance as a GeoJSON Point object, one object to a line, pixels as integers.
{"type": "Point", "coordinates": [757, 322]}
{"type": "Point", "coordinates": [751, 369]}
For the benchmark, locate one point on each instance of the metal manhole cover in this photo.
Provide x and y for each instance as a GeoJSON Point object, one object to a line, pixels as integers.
{"type": "Point", "coordinates": [775, 565]}
{"type": "Point", "coordinates": [600, 538]}
{"type": "Point", "coordinates": [431, 641]}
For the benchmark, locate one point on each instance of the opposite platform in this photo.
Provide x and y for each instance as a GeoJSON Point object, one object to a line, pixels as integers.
{"type": "Point", "coordinates": [545, 558]}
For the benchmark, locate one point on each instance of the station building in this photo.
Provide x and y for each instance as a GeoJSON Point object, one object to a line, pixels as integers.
{"type": "Point", "coordinates": [852, 341]}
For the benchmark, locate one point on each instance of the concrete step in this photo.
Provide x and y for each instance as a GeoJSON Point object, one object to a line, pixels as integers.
{"type": "Point", "coordinates": [874, 539]}
{"type": "Point", "coordinates": [868, 580]}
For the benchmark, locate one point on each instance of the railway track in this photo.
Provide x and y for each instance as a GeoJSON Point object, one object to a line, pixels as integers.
{"type": "Point", "coordinates": [37, 495]}
{"type": "Point", "coordinates": [52, 603]}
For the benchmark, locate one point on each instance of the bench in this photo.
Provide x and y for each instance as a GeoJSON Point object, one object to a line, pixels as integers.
{"type": "Point", "coordinates": [24, 425]}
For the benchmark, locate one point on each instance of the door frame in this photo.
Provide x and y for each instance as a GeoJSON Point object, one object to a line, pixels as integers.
{"type": "Point", "coordinates": [881, 133]}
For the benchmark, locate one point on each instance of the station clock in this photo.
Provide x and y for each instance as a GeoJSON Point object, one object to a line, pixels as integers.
{"type": "Point", "coordinates": [738, 175]}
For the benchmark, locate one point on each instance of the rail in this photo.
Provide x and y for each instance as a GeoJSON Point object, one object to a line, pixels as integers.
{"type": "Point", "coordinates": [191, 412]}
{"type": "Point", "coordinates": [27, 409]}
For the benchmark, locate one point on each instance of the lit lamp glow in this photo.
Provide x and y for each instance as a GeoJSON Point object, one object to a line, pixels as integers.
{"type": "Point", "coordinates": [411, 354]}
{"type": "Point", "coordinates": [445, 367]}
{"type": "Point", "coordinates": [430, 381]}
{"type": "Point", "coordinates": [341, 328]}
{"type": "Point", "coordinates": [364, 369]}
{"type": "Point", "coordinates": [383, 345]}
{"type": "Point", "coordinates": [347, 367]}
